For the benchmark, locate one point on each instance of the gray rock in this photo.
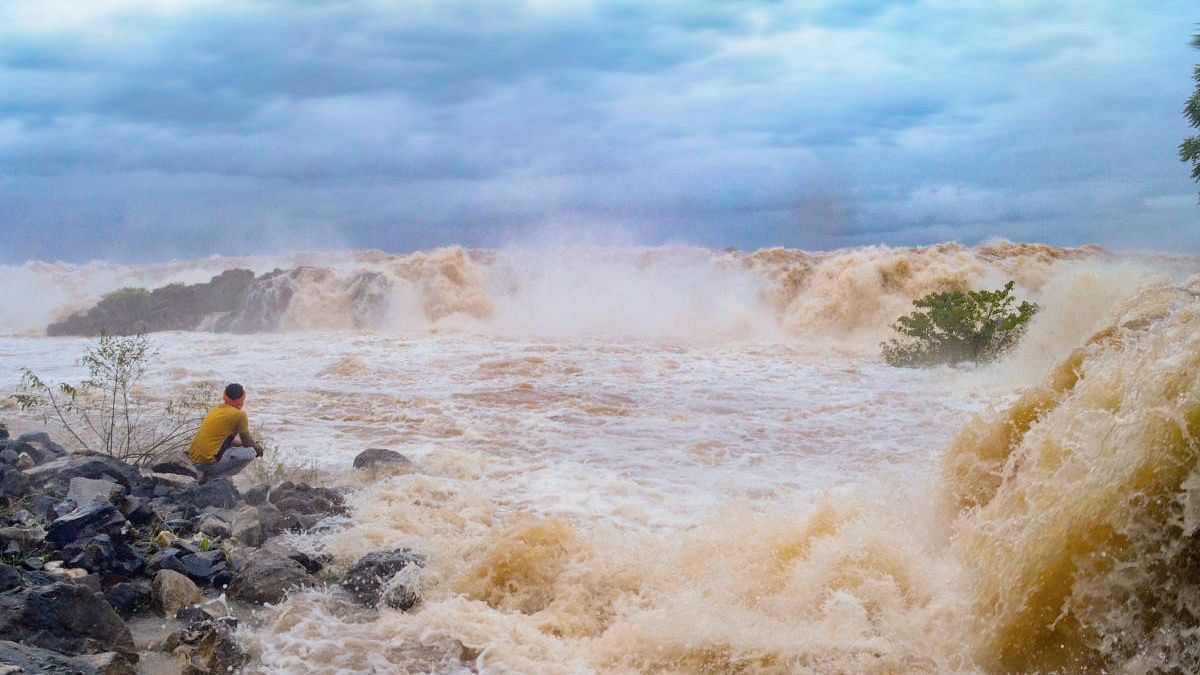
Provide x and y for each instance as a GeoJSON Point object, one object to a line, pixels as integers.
{"type": "Point", "coordinates": [279, 546]}
{"type": "Point", "coordinates": [85, 491]}
{"type": "Point", "coordinates": [247, 526]}
{"type": "Point", "coordinates": [65, 617]}
{"type": "Point", "coordinates": [25, 538]}
{"type": "Point", "coordinates": [304, 505]}
{"type": "Point", "coordinates": [382, 458]}
{"type": "Point", "coordinates": [257, 495]}
{"type": "Point", "coordinates": [10, 578]}
{"type": "Point", "coordinates": [99, 518]}
{"type": "Point", "coordinates": [391, 576]}
{"type": "Point", "coordinates": [43, 439]}
{"type": "Point", "coordinates": [177, 463]}
{"type": "Point", "coordinates": [55, 476]}
{"type": "Point", "coordinates": [213, 526]}
{"type": "Point", "coordinates": [31, 444]}
{"type": "Point", "coordinates": [266, 577]}
{"type": "Point", "coordinates": [14, 484]}
{"type": "Point", "coordinates": [129, 598]}
{"type": "Point", "coordinates": [3, 431]}
{"type": "Point", "coordinates": [197, 497]}
{"type": "Point", "coordinates": [19, 659]}
{"type": "Point", "coordinates": [172, 591]}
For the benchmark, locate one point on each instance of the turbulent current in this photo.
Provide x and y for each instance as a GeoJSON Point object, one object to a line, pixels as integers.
{"type": "Point", "coordinates": [678, 460]}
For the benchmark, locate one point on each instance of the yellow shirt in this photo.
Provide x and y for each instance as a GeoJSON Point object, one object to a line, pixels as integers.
{"type": "Point", "coordinates": [221, 422]}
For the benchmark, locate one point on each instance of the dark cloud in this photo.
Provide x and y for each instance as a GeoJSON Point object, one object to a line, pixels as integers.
{"type": "Point", "coordinates": [139, 129]}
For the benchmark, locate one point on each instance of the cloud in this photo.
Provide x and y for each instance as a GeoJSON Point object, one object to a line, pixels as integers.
{"type": "Point", "coordinates": [142, 128]}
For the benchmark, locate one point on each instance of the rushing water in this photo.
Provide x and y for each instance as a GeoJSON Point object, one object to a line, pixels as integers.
{"type": "Point", "coordinates": [686, 461]}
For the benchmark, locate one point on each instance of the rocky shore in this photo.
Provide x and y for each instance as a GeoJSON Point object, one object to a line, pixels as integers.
{"type": "Point", "coordinates": [88, 543]}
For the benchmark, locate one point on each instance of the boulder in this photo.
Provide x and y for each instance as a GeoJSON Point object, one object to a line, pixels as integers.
{"type": "Point", "coordinates": [304, 505]}
{"type": "Point", "coordinates": [247, 526]}
{"type": "Point", "coordinates": [10, 578]}
{"type": "Point", "coordinates": [172, 591]}
{"type": "Point", "coordinates": [212, 526]}
{"type": "Point", "coordinates": [376, 459]}
{"type": "Point", "coordinates": [164, 484]}
{"type": "Point", "coordinates": [206, 644]}
{"type": "Point", "coordinates": [267, 577]}
{"type": "Point", "coordinates": [196, 497]}
{"type": "Point", "coordinates": [14, 484]}
{"type": "Point", "coordinates": [19, 659]}
{"type": "Point", "coordinates": [85, 491]}
{"type": "Point", "coordinates": [392, 576]}
{"type": "Point", "coordinates": [55, 476]}
{"type": "Point", "coordinates": [137, 511]}
{"type": "Point", "coordinates": [177, 463]}
{"type": "Point", "coordinates": [105, 555]}
{"type": "Point", "coordinates": [281, 547]}
{"type": "Point", "coordinates": [23, 538]}
{"type": "Point", "coordinates": [32, 445]}
{"type": "Point", "coordinates": [99, 518]}
{"type": "Point", "coordinates": [207, 568]}
{"type": "Point", "coordinates": [64, 617]}
{"type": "Point", "coordinates": [257, 494]}
{"type": "Point", "coordinates": [129, 598]}
{"type": "Point", "coordinates": [42, 439]}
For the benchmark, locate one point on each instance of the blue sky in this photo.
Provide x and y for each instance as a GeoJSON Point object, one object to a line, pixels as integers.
{"type": "Point", "coordinates": [147, 129]}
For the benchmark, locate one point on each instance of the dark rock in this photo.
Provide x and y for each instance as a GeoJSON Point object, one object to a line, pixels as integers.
{"type": "Point", "coordinates": [266, 577]}
{"type": "Point", "coordinates": [207, 644]}
{"type": "Point", "coordinates": [85, 491]}
{"type": "Point", "coordinates": [16, 659]}
{"type": "Point", "coordinates": [303, 506]}
{"type": "Point", "coordinates": [172, 307]}
{"type": "Point", "coordinates": [99, 518]}
{"type": "Point", "coordinates": [213, 526]}
{"type": "Point", "coordinates": [278, 546]}
{"type": "Point", "coordinates": [67, 618]}
{"type": "Point", "coordinates": [247, 526]}
{"type": "Point", "coordinates": [12, 550]}
{"type": "Point", "coordinates": [199, 496]}
{"type": "Point", "coordinates": [34, 563]}
{"type": "Point", "coordinates": [14, 484]}
{"type": "Point", "coordinates": [373, 578]}
{"type": "Point", "coordinates": [10, 578]}
{"type": "Point", "coordinates": [39, 452]}
{"type": "Point", "coordinates": [43, 506]}
{"type": "Point", "coordinates": [256, 495]}
{"type": "Point", "coordinates": [129, 598]}
{"type": "Point", "coordinates": [177, 463]}
{"type": "Point", "coordinates": [3, 431]}
{"type": "Point", "coordinates": [55, 477]}
{"type": "Point", "coordinates": [42, 438]}
{"type": "Point", "coordinates": [26, 538]}
{"type": "Point", "coordinates": [203, 567]}
{"type": "Point", "coordinates": [137, 511]}
{"type": "Point", "coordinates": [382, 458]}
{"type": "Point", "coordinates": [104, 555]}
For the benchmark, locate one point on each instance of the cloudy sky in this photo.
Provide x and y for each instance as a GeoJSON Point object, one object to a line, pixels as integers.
{"type": "Point", "coordinates": [146, 129]}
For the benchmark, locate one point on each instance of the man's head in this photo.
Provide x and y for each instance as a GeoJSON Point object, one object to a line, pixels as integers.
{"type": "Point", "coordinates": [235, 395]}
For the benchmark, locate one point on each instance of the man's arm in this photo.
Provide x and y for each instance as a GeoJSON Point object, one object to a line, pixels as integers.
{"type": "Point", "coordinates": [249, 442]}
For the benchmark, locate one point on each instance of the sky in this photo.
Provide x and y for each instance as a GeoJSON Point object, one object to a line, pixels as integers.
{"type": "Point", "coordinates": [141, 130]}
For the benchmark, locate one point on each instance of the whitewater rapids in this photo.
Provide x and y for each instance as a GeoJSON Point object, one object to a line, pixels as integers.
{"type": "Point", "coordinates": [686, 461]}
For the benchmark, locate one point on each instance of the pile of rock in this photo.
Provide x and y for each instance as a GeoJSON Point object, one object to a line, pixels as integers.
{"type": "Point", "coordinates": [88, 541]}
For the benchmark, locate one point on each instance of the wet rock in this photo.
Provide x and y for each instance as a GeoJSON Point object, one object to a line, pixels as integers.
{"type": "Point", "coordinates": [55, 477]}
{"type": "Point", "coordinates": [303, 506]}
{"type": "Point", "coordinates": [177, 463]}
{"type": "Point", "coordinates": [207, 644]}
{"type": "Point", "coordinates": [207, 568]}
{"type": "Point", "coordinates": [391, 576]}
{"type": "Point", "coordinates": [64, 617]}
{"type": "Point", "coordinates": [247, 526]}
{"type": "Point", "coordinates": [99, 518]}
{"type": "Point", "coordinates": [85, 491]}
{"type": "Point", "coordinates": [280, 547]}
{"type": "Point", "coordinates": [374, 459]}
{"type": "Point", "coordinates": [137, 511]}
{"type": "Point", "coordinates": [172, 591]}
{"type": "Point", "coordinates": [19, 659]}
{"type": "Point", "coordinates": [104, 555]}
{"type": "Point", "coordinates": [196, 497]}
{"type": "Point", "coordinates": [129, 598]}
{"type": "Point", "coordinates": [266, 577]}
{"type": "Point", "coordinates": [271, 518]}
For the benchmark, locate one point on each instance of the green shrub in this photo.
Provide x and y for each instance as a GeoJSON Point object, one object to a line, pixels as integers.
{"type": "Point", "coordinates": [956, 326]}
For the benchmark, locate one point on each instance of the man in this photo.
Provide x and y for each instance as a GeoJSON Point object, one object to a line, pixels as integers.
{"type": "Point", "coordinates": [215, 451]}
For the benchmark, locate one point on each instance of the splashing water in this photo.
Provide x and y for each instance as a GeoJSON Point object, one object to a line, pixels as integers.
{"type": "Point", "coordinates": [681, 461]}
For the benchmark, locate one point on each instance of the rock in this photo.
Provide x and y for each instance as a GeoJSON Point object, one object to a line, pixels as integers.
{"type": "Point", "coordinates": [14, 484]}
{"type": "Point", "coordinates": [99, 518]}
{"type": "Point", "coordinates": [382, 459]}
{"type": "Point", "coordinates": [392, 576]}
{"type": "Point", "coordinates": [207, 644]}
{"type": "Point", "coordinates": [257, 495]}
{"type": "Point", "coordinates": [172, 591]}
{"type": "Point", "coordinates": [271, 518]}
{"type": "Point", "coordinates": [19, 659]}
{"type": "Point", "coordinates": [10, 578]}
{"type": "Point", "coordinates": [278, 546]}
{"type": "Point", "coordinates": [43, 506]}
{"type": "Point", "coordinates": [85, 491]}
{"type": "Point", "coordinates": [196, 497]}
{"type": "Point", "coordinates": [105, 555]}
{"type": "Point", "coordinates": [166, 483]}
{"type": "Point", "coordinates": [42, 439]}
{"type": "Point", "coordinates": [247, 527]}
{"type": "Point", "coordinates": [164, 539]}
{"type": "Point", "coordinates": [137, 511]}
{"type": "Point", "coordinates": [3, 431]}
{"type": "Point", "coordinates": [176, 462]}
{"type": "Point", "coordinates": [129, 598]}
{"type": "Point", "coordinates": [266, 577]}
{"type": "Point", "coordinates": [66, 618]}
{"type": "Point", "coordinates": [26, 538]}
{"type": "Point", "coordinates": [207, 568]}
{"type": "Point", "coordinates": [24, 462]}
{"type": "Point", "coordinates": [303, 505]}
{"type": "Point", "coordinates": [55, 477]}
{"type": "Point", "coordinates": [213, 526]}
{"type": "Point", "coordinates": [31, 444]}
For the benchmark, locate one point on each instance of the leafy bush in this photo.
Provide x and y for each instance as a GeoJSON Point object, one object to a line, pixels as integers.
{"type": "Point", "coordinates": [956, 326]}
{"type": "Point", "coordinates": [104, 412]}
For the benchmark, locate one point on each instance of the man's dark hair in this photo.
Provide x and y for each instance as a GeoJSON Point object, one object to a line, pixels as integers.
{"type": "Point", "coordinates": [234, 391]}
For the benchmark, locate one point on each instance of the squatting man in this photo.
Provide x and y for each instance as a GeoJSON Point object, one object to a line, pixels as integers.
{"type": "Point", "coordinates": [223, 445]}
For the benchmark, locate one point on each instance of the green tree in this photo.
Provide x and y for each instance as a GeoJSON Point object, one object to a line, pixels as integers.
{"type": "Point", "coordinates": [1189, 150]}
{"type": "Point", "coordinates": [956, 326]}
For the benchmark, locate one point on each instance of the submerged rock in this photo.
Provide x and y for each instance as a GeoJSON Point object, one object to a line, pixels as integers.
{"type": "Point", "coordinates": [206, 644]}
{"type": "Point", "coordinates": [375, 459]}
{"type": "Point", "coordinates": [303, 506]}
{"type": "Point", "coordinates": [19, 659]}
{"type": "Point", "coordinates": [390, 576]}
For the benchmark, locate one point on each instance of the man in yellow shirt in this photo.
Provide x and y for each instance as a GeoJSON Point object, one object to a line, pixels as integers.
{"type": "Point", "coordinates": [223, 445]}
